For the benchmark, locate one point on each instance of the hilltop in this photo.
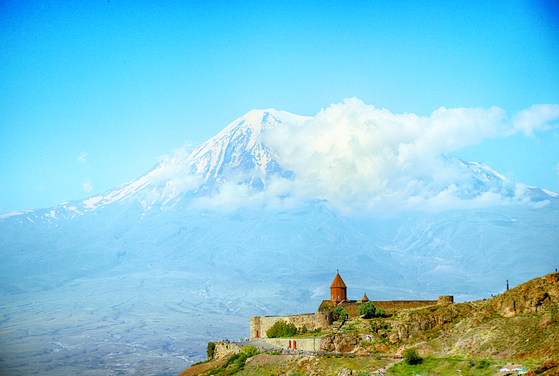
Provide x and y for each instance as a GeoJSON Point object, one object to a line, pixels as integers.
{"type": "Point", "coordinates": [519, 326]}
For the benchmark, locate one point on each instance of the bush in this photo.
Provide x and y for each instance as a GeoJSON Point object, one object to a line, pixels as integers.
{"type": "Point", "coordinates": [483, 364]}
{"type": "Point", "coordinates": [238, 361]}
{"type": "Point", "coordinates": [250, 350]}
{"type": "Point", "coordinates": [316, 331]}
{"type": "Point", "coordinates": [304, 329]}
{"type": "Point", "coordinates": [210, 350]}
{"type": "Point", "coordinates": [339, 314]}
{"type": "Point", "coordinates": [368, 310]}
{"type": "Point", "coordinates": [411, 357]}
{"type": "Point", "coordinates": [281, 329]}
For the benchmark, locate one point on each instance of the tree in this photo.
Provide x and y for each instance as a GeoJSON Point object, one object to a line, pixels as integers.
{"type": "Point", "coordinates": [281, 329]}
{"type": "Point", "coordinates": [368, 310]}
{"type": "Point", "coordinates": [412, 357]}
{"type": "Point", "coordinates": [339, 314]}
{"type": "Point", "coordinates": [210, 350]}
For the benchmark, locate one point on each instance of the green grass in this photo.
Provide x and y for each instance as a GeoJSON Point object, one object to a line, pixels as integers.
{"type": "Point", "coordinates": [445, 366]}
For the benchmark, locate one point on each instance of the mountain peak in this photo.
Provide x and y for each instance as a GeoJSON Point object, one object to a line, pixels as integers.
{"type": "Point", "coordinates": [238, 144]}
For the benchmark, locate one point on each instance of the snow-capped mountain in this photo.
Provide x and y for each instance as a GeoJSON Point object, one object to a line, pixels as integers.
{"type": "Point", "coordinates": [142, 276]}
{"type": "Point", "coordinates": [237, 151]}
{"type": "Point", "coordinates": [239, 154]}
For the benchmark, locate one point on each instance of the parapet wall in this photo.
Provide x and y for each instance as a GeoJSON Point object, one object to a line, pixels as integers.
{"type": "Point", "coordinates": [260, 324]}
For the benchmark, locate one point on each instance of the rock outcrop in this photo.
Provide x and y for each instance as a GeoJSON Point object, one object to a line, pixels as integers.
{"type": "Point", "coordinates": [528, 297]}
{"type": "Point", "coordinates": [339, 342]}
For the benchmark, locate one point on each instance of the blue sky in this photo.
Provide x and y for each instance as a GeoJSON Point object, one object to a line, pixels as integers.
{"type": "Point", "coordinates": [92, 93]}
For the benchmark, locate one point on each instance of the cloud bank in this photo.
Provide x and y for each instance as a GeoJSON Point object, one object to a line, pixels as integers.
{"type": "Point", "coordinates": [362, 159]}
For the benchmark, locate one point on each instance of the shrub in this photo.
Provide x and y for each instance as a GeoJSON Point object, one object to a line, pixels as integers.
{"type": "Point", "coordinates": [304, 329]}
{"type": "Point", "coordinates": [411, 357]}
{"type": "Point", "coordinates": [234, 364]}
{"type": "Point", "coordinates": [210, 350]}
{"type": "Point", "coordinates": [368, 310]}
{"type": "Point", "coordinates": [326, 306]}
{"type": "Point", "coordinates": [483, 364]}
{"type": "Point", "coordinates": [250, 350]}
{"type": "Point", "coordinates": [281, 329]}
{"type": "Point", "coordinates": [339, 314]}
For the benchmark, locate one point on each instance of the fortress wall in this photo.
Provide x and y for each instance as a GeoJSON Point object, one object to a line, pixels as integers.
{"type": "Point", "coordinates": [352, 307]}
{"type": "Point", "coordinates": [304, 344]}
{"type": "Point", "coordinates": [260, 324]}
{"type": "Point", "coordinates": [322, 319]}
{"type": "Point", "coordinates": [225, 349]}
{"type": "Point", "coordinates": [404, 303]}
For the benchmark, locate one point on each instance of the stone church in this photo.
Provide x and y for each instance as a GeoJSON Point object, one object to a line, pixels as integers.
{"type": "Point", "coordinates": [323, 317]}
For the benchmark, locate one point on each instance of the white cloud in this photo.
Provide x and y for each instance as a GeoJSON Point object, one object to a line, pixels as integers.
{"type": "Point", "coordinates": [360, 157]}
{"type": "Point", "coordinates": [82, 156]}
{"type": "Point", "coordinates": [363, 159]}
{"type": "Point", "coordinates": [536, 117]}
{"type": "Point", "coordinates": [87, 186]}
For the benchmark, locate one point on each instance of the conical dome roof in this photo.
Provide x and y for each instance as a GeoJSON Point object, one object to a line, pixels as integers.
{"type": "Point", "coordinates": [338, 282]}
{"type": "Point", "coordinates": [365, 299]}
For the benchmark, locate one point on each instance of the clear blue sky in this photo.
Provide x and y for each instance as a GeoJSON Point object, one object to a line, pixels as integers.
{"type": "Point", "coordinates": [93, 92]}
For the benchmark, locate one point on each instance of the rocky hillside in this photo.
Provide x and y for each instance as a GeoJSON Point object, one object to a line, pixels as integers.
{"type": "Point", "coordinates": [520, 325]}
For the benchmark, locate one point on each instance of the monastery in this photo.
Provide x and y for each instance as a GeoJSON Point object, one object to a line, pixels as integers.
{"type": "Point", "coordinates": [323, 317]}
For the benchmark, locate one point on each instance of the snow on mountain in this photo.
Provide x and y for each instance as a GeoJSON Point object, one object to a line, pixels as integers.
{"type": "Point", "coordinates": [239, 155]}
{"type": "Point", "coordinates": [236, 149]}
{"type": "Point", "coordinates": [238, 146]}
{"type": "Point", "coordinates": [139, 273]}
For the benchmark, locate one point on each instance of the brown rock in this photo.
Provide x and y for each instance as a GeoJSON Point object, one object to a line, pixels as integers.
{"type": "Point", "coordinates": [339, 342]}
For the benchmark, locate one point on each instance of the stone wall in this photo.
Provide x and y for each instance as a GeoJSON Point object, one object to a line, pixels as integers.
{"type": "Point", "coordinates": [225, 349]}
{"type": "Point", "coordinates": [260, 324]}
{"type": "Point", "coordinates": [352, 307]}
{"type": "Point", "coordinates": [303, 344]}
{"type": "Point", "coordinates": [404, 303]}
{"type": "Point", "coordinates": [445, 299]}
{"type": "Point", "coordinates": [322, 319]}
